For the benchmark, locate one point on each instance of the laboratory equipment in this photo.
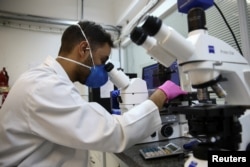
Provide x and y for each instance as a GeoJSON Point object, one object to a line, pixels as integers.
{"type": "Point", "coordinates": [161, 151]}
{"type": "Point", "coordinates": [132, 91]}
{"type": "Point", "coordinates": [156, 74]}
{"type": "Point", "coordinates": [208, 62]}
{"type": "Point", "coordinates": [173, 125]}
{"type": "Point", "coordinates": [150, 44]}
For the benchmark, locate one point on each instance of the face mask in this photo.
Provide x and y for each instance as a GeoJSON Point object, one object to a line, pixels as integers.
{"type": "Point", "coordinates": [98, 75]}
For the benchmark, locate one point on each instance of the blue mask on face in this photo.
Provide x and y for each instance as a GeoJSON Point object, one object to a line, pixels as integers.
{"type": "Point", "coordinates": [98, 76]}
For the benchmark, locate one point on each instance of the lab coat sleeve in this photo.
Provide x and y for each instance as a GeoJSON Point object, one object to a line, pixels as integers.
{"type": "Point", "coordinates": [138, 123]}
{"type": "Point", "coordinates": [66, 119]}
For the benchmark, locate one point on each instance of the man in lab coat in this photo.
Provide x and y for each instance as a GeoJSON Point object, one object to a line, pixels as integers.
{"type": "Point", "coordinates": [44, 122]}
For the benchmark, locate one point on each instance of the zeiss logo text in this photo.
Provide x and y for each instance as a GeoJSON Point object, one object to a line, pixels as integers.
{"type": "Point", "coordinates": [211, 49]}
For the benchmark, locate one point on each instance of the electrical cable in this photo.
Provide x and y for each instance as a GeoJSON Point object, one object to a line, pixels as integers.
{"type": "Point", "coordinates": [222, 15]}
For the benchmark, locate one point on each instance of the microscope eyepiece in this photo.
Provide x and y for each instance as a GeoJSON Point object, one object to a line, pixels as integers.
{"type": "Point", "coordinates": [108, 67]}
{"type": "Point", "coordinates": [138, 36]}
{"type": "Point", "coordinates": [152, 25]}
{"type": "Point", "coordinates": [117, 77]}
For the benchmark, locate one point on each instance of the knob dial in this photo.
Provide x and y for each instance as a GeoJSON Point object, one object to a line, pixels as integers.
{"type": "Point", "coordinates": [166, 130]}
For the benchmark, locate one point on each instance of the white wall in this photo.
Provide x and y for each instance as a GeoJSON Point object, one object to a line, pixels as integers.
{"type": "Point", "coordinates": [64, 9]}
{"type": "Point", "coordinates": [22, 49]}
{"type": "Point", "coordinates": [33, 46]}
{"type": "Point", "coordinates": [112, 12]}
{"type": "Point", "coordinates": [99, 11]}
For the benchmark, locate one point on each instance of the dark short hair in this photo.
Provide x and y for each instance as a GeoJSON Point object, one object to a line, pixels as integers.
{"type": "Point", "coordinates": [95, 33]}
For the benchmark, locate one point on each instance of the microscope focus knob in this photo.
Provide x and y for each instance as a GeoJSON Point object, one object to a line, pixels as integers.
{"type": "Point", "coordinates": [167, 130]}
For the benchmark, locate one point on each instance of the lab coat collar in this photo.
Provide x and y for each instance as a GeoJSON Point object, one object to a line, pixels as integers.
{"type": "Point", "coordinates": [51, 62]}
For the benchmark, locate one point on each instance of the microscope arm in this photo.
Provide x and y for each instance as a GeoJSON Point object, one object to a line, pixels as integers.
{"type": "Point", "coordinates": [206, 60]}
{"type": "Point", "coordinates": [214, 61]}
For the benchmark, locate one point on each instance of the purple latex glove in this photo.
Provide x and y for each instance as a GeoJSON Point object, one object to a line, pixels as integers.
{"type": "Point", "coordinates": [171, 90]}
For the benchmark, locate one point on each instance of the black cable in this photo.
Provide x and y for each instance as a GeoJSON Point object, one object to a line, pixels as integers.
{"type": "Point", "coordinates": [238, 46]}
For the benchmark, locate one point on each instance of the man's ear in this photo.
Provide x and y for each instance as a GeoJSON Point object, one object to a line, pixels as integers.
{"type": "Point", "coordinates": [83, 46]}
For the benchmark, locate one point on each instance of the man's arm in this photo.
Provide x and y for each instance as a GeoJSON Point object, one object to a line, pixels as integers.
{"type": "Point", "coordinates": [166, 92]}
{"type": "Point", "coordinates": [159, 98]}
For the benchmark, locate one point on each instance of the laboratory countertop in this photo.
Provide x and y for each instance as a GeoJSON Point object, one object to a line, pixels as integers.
{"type": "Point", "coordinates": [132, 157]}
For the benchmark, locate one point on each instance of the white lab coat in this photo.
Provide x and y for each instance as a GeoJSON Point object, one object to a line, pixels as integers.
{"type": "Point", "coordinates": [44, 122]}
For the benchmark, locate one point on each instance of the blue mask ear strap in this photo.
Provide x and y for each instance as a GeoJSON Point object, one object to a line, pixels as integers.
{"type": "Point", "coordinates": [74, 62]}
{"type": "Point", "coordinates": [90, 52]}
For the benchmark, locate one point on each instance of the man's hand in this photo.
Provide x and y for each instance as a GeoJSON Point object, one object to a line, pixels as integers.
{"type": "Point", "coordinates": [171, 90]}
